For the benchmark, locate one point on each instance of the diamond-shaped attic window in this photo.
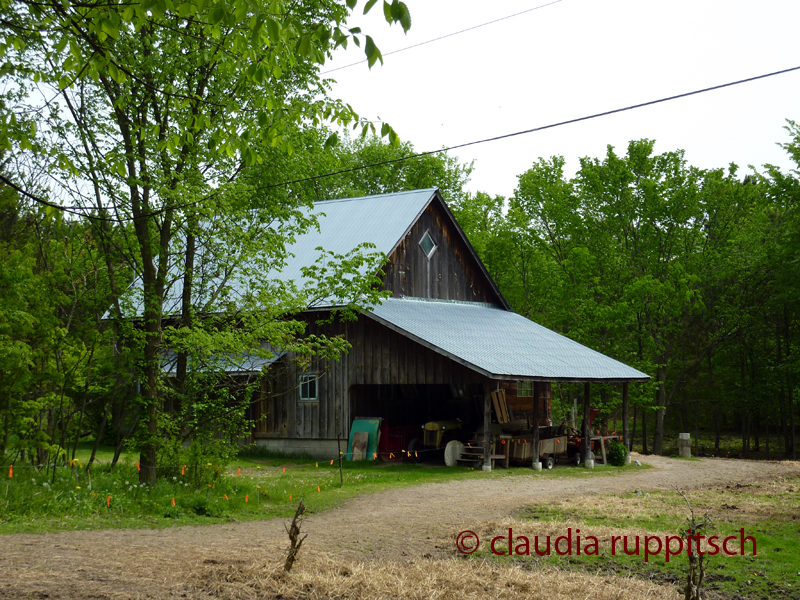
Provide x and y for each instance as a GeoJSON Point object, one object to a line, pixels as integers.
{"type": "Point", "coordinates": [428, 245]}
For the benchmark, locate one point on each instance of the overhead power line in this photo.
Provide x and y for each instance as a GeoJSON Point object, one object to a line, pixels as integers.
{"type": "Point", "coordinates": [429, 152]}
{"type": "Point", "coordinates": [534, 129]}
{"type": "Point", "coordinates": [443, 37]}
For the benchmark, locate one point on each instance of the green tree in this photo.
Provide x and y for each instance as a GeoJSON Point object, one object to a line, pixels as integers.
{"type": "Point", "coordinates": [146, 113]}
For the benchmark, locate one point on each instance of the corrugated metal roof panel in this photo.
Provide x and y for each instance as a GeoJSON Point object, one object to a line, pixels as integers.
{"type": "Point", "coordinates": [499, 343]}
{"type": "Point", "coordinates": [381, 220]}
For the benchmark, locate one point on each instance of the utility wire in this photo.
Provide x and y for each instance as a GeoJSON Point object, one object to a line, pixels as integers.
{"type": "Point", "coordinates": [430, 152]}
{"type": "Point", "coordinates": [542, 128]}
{"type": "Point", "coordinates": [360, 62]}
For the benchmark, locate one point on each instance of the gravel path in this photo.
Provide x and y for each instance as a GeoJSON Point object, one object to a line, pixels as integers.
{"type": "Point", "coordinates": [406, 522]}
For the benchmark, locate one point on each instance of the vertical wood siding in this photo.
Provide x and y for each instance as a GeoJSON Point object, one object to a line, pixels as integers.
{"type": "Point", "coordinates": [379, 356]}
{"type": "Point", "coordinates": [452, 273]}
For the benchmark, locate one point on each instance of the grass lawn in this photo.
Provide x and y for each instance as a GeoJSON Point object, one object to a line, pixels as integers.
{"type": "Point", "coordinates": [769, 512]}
{"type": "Point", "coordinates": [249, 488]}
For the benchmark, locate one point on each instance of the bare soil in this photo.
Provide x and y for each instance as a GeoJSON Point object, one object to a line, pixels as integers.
{"type": "Point", "coordinates": [395, 527]}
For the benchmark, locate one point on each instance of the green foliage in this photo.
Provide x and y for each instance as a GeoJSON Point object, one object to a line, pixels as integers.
{"type": "Point", "coordinates": [674, 270]}
{"type": "Point", "coordinates": [616, 453]}
{"type": "Point", "coordinates": [147, 116]}
{"type": "Point", "coordinates": [37, 500]}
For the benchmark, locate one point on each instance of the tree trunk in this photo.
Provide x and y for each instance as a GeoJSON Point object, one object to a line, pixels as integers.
{"type": "Point", "coordinates": [644, 432]}
{"type": "Point", "coordinates": [756, 427]}
{"type": "Point", "coordinates": [633, 432]}
{"type": "Point", "coordinates": [587, 443]}
{"type": "Point", "coordinates": [100, 430]}
{"type": "Point", "coordinates": [714, 408]}
{"type": "Point", "coordinates": [789, 383]}
{"type": "Point", "coordinates": [696, 426]}
{"type": "Point", "coordinates": [186, 316]}
{"type": "Point", "coordinates": [626, 440]}
{"type": "Point", "coordinates": [661, 401]}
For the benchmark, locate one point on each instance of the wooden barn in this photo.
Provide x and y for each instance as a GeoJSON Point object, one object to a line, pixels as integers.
{"type": "Point", "coordinates": [434, 351]}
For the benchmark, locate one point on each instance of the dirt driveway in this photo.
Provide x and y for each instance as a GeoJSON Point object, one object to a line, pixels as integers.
{"type": "Point", "coordinates": [391, 525]}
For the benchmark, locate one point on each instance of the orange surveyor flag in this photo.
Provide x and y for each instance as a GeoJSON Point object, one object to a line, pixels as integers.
{"type": "Point", "coordinates": [173, 501]}
{"type": "Point", "coordinates": [247, 498]}
{"type": "Point", "coordinates": [375, 455]}
{"type": "Point", "coordinates": [138, 468]}
{"type": "Point", "coordinates": [331, 461]}
{"type": "Point", "coordinates": [284, 469]}
{"type": "Point", "coordinates": [108, 502]}
{"type": "Point", "coordinates": [238, 472]}
{"type": "Point", "coordinates": [320, 491]}
{"type": "Point", "coordinates": [183, 470]}
{"type": "Point", "coordinates": [226, 496]}
{"type": "Point", "coordinates": [290, 496]}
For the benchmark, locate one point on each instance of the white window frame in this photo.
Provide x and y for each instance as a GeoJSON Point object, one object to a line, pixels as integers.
{"type": "Point", "coordinates": [435, 246]}
{"type": "Point", "coordinates": [307, 380]}
{"type": "Point", "coordinates": [526, 386]}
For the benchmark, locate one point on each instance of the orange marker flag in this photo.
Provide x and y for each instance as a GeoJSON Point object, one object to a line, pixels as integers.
{"type": "Point", "coordinates": [319, 490]}
{"type": "Point", "coordinates": [284, 469]}
{"type": "Point", "coordinates": [391, 455]}
{"type": "Point", "coordinates": [247, 498]}
{"type": "Point", "coordinates": [173, 501]}
{"type": "Point", "coordinates": [108, 502]}
{"type": "Point", "coordinates": [238, 472]}
{"type": "Point", "coordinates": [138, 468]}
{"type": "Point", "coordinates": [183, 470]}
{"type": "Point", "coordinates": [11, 471]}
{"type": "Point", "coordinates": [331, 461]}
{"type": "Point", "coordinates": [290, 496]}
{"type": "Point", "coordinates": [415, 453]}
{"type": "Point", "coordinates": [226, 496]}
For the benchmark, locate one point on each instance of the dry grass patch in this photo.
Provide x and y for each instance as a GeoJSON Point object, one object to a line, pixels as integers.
{"type": "Point", "coordinates": [317, 577]}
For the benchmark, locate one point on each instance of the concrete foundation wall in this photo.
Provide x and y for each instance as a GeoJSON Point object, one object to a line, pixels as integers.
{"type": "Point", "coordinates": [323, 449]}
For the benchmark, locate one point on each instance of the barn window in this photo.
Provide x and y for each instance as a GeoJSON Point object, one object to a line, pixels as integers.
{"type": "Point", "coordinates": [427, 244]}
{"type": "Point", "coordinates": [308, 387]}
{"type": "Point", "coordinates": [525, 389]}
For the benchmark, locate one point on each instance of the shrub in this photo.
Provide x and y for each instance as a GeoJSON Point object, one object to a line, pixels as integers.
{"type": "Point", "coordinates": [617, 453]}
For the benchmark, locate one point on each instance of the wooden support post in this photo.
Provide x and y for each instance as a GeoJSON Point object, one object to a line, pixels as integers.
{"type": "Point", "coordinates": [487, 427]}
{"type": "Point", "coordinates": [535, 453]}
{"type": "Point", "coordinates": [587, 444]}
{"type": "Point", "coordinates": [626, 440]}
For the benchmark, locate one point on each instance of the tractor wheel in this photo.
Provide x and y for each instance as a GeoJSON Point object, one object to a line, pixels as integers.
{"type": "Point", "coordinates": [548, 463]}
{"type": "Point", "coordinates": [452, 452]}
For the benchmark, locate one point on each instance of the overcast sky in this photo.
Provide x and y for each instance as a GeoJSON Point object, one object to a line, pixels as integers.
{"type": "Point", "coordinates": [574, 58]}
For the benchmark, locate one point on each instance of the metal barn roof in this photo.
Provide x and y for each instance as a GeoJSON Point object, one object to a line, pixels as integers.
{"type": "Point", "coordinates": [499, 343]}
{"type": "Point", "coordinates": [382, 220]}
